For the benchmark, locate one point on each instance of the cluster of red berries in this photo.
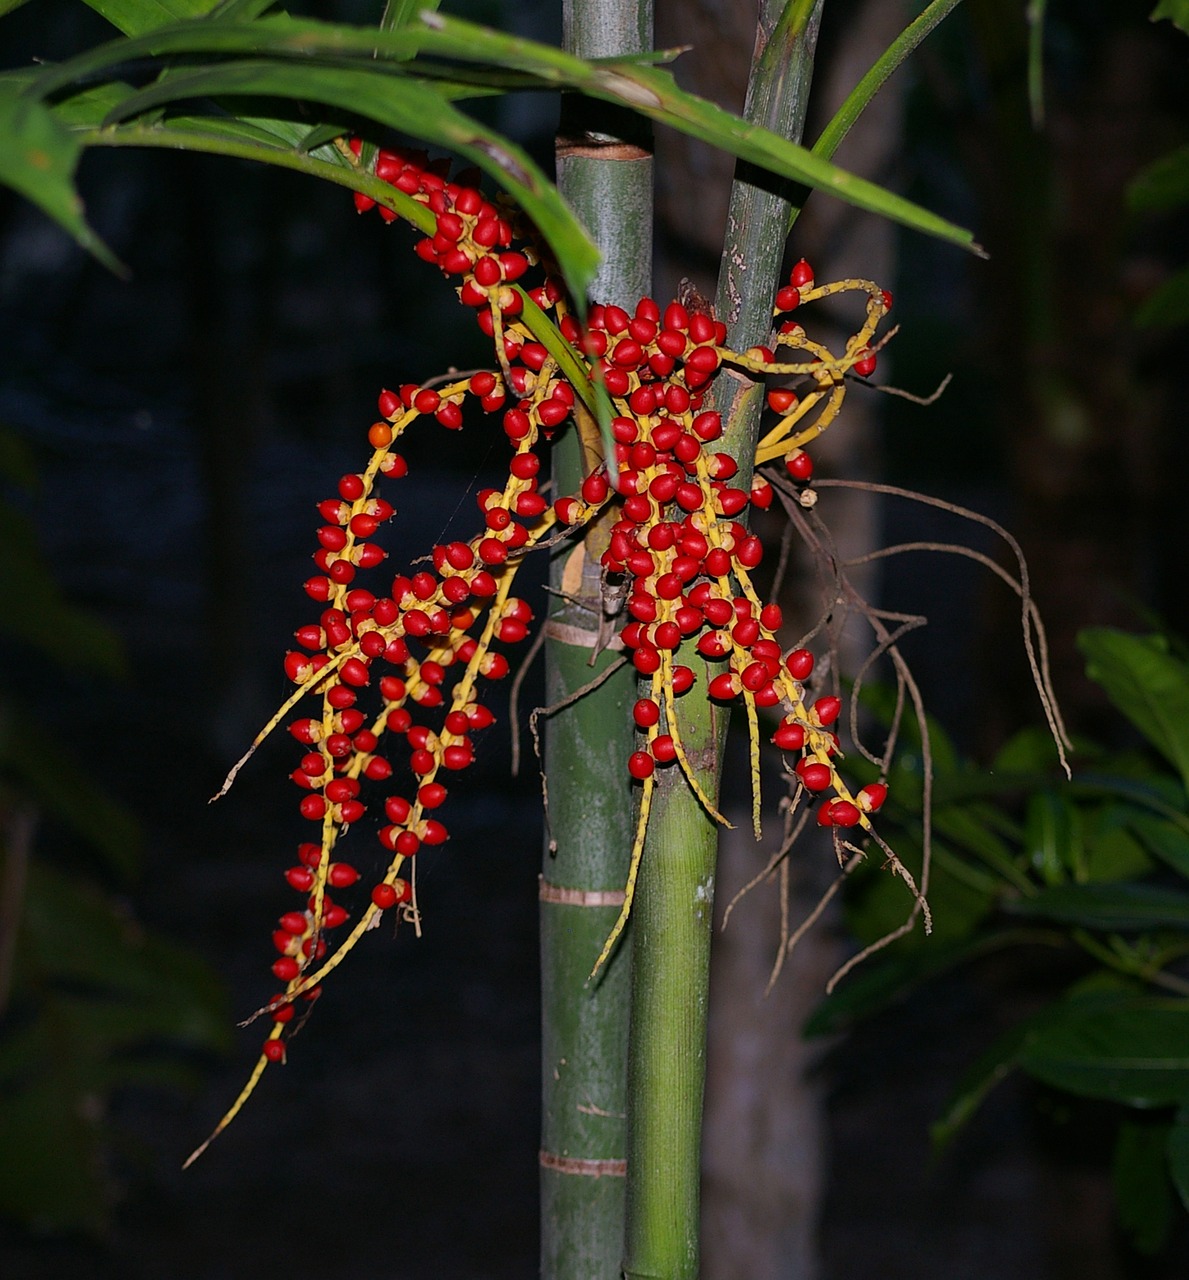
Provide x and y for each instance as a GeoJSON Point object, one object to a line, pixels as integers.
{"type": "Point", "coordinates": [420, 648]}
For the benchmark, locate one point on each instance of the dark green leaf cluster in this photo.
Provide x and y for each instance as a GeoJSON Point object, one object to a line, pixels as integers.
{"type": "Point", "coordinates": [1096, 868]}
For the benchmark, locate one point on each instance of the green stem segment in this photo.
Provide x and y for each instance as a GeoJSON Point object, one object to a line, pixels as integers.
{"type": "Point", "coordinates": [675, 895]}
{"type": "Point", "coordinates": [671, 924]}
{"type": "Point", "coordinates": [608, 184]}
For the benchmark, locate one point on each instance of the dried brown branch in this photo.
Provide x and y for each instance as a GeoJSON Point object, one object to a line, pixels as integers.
{"type": "Point", "coordinates": [1035, 641]}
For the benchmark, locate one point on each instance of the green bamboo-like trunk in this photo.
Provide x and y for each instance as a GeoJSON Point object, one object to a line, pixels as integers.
{"type": "Point", "coordinates": [606, 176]}
{"type": "Point", "coordinates": [675, 897]}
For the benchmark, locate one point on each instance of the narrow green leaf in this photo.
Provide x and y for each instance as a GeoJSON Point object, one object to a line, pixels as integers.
{"type": "Point", "coordinates": [1178, 1154]}
{"type": "Point", "coordinates": [1113, 854]}
{"type": "Point", "coordinates": [399, 13]}
{"type": "Point", "coordinates": [966, 826]}
{"type": "Point", "coordinates": [1168, 305]}
{"type": "Point", "coordinates": [1146, 683]}
{"type": "Point", "coordinates": [38, 158]}
{"type": "Point", "coordinates": [1028, 752]}
{"type": "Point", "coordinates": [881, 70]}
{"type": "Point", "coordinates": [1128, 1049]}
{"type": "Point", "coordinates": [1036, 36]}
{"type": "Point", "coordinates": [549, 336]}
{"type": "Point", "coordinates": [133, 17]}
{"type": "Point", "coordinates": [113, 1026]}
{"type": "Point", "coordinates": [1053, 838]}
{"type": "Point", "coordinates": [241, 9]}
{"type": "Point", "coordinates": [1161, 185]}
{"type": "Point", "coordinates": [216, 136]}
{"type": "Point", "coordinates": [992, 1066]}
{"type": "Point", "coordinates": [1159, 794]}
{"type": "Point", "coordinates": [627, 82]}
{"type": "Point", "coordinates": [654, 93]}
{"type": "Point", "coordinates": [411, 107]}
{"type": "Point", "coordinates": [1142, 1194]}
{"type": "Point", "coordinates": [7, 6]}
{"type": "Point", "coordinates": [1108, 907]}
{"type": "Point", "coordinates": [889, 979]}
{"type": "Point", "coordinates": [593, 394]}
{"type": "Point", "coordinates": [51, 1177]}
{"type": "Point", "coordinates": [69, 794]}
{"type": "Point", "coordinates": [1176, 11]}
{"type": "Point", "coordinates": [1165, 840]}
{"type": "Point", "coordinates": [46, 621]}
{"type": "Point", "coordinates": [77, 935]}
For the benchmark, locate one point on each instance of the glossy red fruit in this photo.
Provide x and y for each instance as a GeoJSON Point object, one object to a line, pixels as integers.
{"type": "Point", "coordinates": [683, 679]}
{"type": "Point", "coordinates": [801, 275]}
{"type": "Point", "coordinates": [341, 874]}
{"type": "Point", "coordinates": [790, 736]}
{"type": "Point", "coordinates": [799, 664]}
{"type": "Point", "coordinates": [799, 465]}
{"type": "Point", "coordinates": [641, 765]}
{"type": "Point", "coordinates": [827, 709]}
{"type": "Point", "coordinates": [844, 814]}
{"type": "Point", "coordinates": [725, 686]}
{"type": "Point", "coordinates": [814, 775]}
{"type": "Point", "coordinates": [872, 796]}
{"type": "Point", "coordinates": [384, 896]}
{"type": "Point", "coordinates": [646, 713]}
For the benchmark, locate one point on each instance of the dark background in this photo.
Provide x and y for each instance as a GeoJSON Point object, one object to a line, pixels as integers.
{"type": "Point", "coordinates": [185, 422]}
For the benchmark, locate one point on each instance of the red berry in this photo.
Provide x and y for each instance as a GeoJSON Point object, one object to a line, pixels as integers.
{"type": "Point", "coordinates": [790, 736]}
{"type": "Point", "coordinates": [646, 713]}
{"type": "Point", "coordinates": [788, 298]}
{"type": "Point", "coordinates": [646, 660]}
{"type": "Point", "coordinates": [827, 709]}
{"type": "Point", "coordinates": [641, 765]}
{"type": "Point", "coordinates": [384, 896]}
{"type": "Point", "coordinates": [274, 1050]}
{"type": "Point", "coordinates": [799, 465]}
{"type": "Point", "coordinates": [815, 776]}
{"type": "Point", "coordinates": [431, 795]}
{"type": "Point", "coordinates": [341, 874]}
{"type": "Point", "coordinates": [754, 676]}
{"type": "Point", "coordinates": [872, 796]}
{"type": "Point", "coordinates": [294, 922]}
{"type": "Point", "coordinates": [354, 672]}
{"type": "Point", "coordinates": [799, 664]}
{"type": "Point", "coordinates": [312, 807]}
{"type": "Point", "coordinates": [844, 814]}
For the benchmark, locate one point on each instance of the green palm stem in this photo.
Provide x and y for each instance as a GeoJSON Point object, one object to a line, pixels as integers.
{"type": "Point", "coordinates": [606, 177]}
{"type": "Point", "coordinates": [673, 910]}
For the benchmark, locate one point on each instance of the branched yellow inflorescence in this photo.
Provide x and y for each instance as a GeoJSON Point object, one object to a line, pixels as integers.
{"type": "Point", "coordinates": [680, 547]}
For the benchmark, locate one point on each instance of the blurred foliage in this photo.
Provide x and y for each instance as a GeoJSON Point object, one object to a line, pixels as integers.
{"type": "Point", "coordinates": [1096, 868]}
{"type": "Point", "coordinates": [89, 1002]}
{"type": "Point", "coordinates": [1162, 188]}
